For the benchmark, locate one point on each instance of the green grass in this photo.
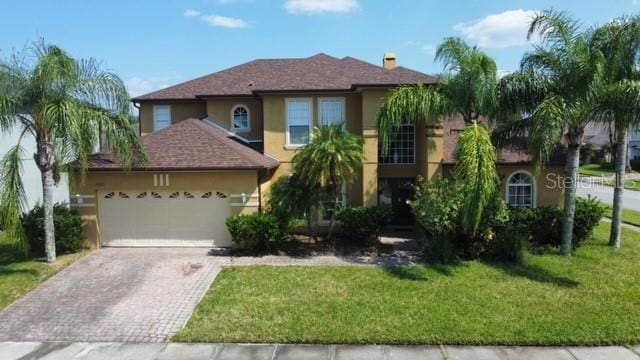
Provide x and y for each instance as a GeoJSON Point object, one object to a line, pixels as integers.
{"type": "Point", "coordinates": [18, 275]}
{"type": "Point", "coordinates": [608, 176]}
{"type": "Point", "coordinates": [595, 170]}
{"type": "Point", "coordinates": [628, 216]}
{"type": "Point", "coordinates": [590, 298]}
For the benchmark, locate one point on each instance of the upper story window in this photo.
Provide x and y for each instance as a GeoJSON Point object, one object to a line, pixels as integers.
{"type": "Point", "coordinates": [161, 117]}
{"type": "Point", "coordinates": [299, 120]}
{"type": "Point", "coordinates": [240, 118]}
{"type": "Point", "coordinates": [520, 190]}
{"type": "Point", "coordinates": [332, 111]}
{"type": "Point", "coordinates": [402, 146]}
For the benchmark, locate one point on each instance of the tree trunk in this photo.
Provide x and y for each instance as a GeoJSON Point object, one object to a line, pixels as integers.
{"type": "Point", "coordinates": [45, 160]}
{"type": "Point", "coordinates": [573, 161]}
{"type": "Point", "coordinates": [618, 191]}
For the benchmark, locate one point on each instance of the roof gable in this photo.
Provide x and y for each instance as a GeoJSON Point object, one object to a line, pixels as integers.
{"type": "Point", "coordinates": [319, 72]}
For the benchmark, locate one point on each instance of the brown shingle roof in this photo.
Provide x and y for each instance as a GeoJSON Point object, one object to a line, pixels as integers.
{"type": "Point", "coordinates": [318, 72]}
{"type": "Point", "coordinates": [191, 144]}
{"type": "Point", "coordinates": [515, 153]}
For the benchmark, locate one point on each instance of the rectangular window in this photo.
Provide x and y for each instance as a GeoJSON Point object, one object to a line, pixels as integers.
{"type": "Point", "coordinates": [299, 120]}
{"type": "Point", "coordinates": [402, 146]}
{"type": "Point", "coordinates": [332, 111]}
{"type": "Point", "coordinates": [161, 117]}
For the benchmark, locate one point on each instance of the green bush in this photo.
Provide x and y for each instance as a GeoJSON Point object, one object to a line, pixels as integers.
{"type": "Point", "coordinates": [363, 224]}
{"type": "Point", "coordinates": [290, 199]}
{"type": "Point", "coordinates": [440, 249]}
{"type": "Point", "coordinates": [506, 244]}
{"type": "Point", "coordinates": [68, 229]}
{"type": "Point", "coordinates": [256, 232]}
{"type": "Point", "coordinates": [543, 225]}
{"type": "Point", "coordinates": [635, 164]}
{"type": "Point", "coordinates": [437, 206]}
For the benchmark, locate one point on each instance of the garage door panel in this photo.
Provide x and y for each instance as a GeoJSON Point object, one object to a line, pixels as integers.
{"type": "Point", "coordinates": [185, 218]}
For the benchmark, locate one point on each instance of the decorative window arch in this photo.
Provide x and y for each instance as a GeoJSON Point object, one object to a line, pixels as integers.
{"type": "Point", "coordinates": [521, 189]}
{"type": "Point", "coordinates": [240, 118]}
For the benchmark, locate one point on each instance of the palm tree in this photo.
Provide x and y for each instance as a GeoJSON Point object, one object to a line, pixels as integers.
{"type": "Point", "coordinates": [61, 102]}
{"type": "Point", "coordinates": [468, 89]}
{"type": "Point", "coordinates": [332, 158]}
{"type": "Point", "coordinates": [556, 89]}
{"type": "Point", "coordinates": [619, 41]}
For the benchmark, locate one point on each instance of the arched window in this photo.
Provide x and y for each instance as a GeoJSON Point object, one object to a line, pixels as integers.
{"type": "Point", "coordinates": [521, 190]}
{"type": "Point", "coordinates": [241, 119]}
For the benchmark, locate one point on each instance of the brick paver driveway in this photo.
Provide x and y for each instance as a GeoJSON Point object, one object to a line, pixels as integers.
{"type": "Point", "coordinates": [125, 294]}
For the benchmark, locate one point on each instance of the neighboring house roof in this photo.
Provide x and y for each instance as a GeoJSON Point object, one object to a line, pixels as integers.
{"type": "Point", "coordinates": [319, 72]}
{"type": "Point", "coordinates": [191, 144]}
{"type": "Point", "coordinates": [515, 153]}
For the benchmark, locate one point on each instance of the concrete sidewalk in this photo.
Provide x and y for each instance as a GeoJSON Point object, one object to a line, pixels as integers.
{"type": "Point", "coordinates": [160, 351]}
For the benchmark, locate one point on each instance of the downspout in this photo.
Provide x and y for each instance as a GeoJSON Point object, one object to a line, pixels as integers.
{"type": "Point", "coordinates": [137, 106]}
{"type": "Point", "coordinates": [259, 191]}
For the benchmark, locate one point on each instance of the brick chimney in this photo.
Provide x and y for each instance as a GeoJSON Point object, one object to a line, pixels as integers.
{"type": "Point", "coordinates": [389, 61]}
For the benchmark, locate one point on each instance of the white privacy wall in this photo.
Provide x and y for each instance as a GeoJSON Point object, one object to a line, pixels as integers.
{"type": "Point", "coordinates": [30, 173]}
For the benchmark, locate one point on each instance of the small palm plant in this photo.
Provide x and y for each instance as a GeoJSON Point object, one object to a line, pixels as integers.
{"type": "Point", "coordinates": [332, 158]}
{"type": "Point", "coordinates": [61, 102]}
{"type": "Point", "coordinates": [467, 89]}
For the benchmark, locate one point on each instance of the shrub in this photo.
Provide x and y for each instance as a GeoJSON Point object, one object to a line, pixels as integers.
{"type": "Point", "coordinates": [256, 232]}
{"type": "Point", "coordinates": [363, 224]}
{"type": "Point", "coordinates": [290, 198]}
{"type": "Point", "coordinates": [506, 244]}
{"type": "Point", "coordinates": [437, 206]}
{"type": "Point", "coordinates": [635, 164]}
{"type": "Point", "coordinates": [440, 249]}
{"type": "Point", "coordinates": [543, 225]}
{"type": "Point", "coordinates": [68, 229]}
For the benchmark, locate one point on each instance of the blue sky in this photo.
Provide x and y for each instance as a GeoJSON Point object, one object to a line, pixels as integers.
{"type": "Point", "coordinates": [153, 44]}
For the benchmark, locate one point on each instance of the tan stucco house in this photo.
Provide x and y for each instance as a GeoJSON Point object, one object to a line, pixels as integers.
{"type": "Point", "coordinates": [216, 143]}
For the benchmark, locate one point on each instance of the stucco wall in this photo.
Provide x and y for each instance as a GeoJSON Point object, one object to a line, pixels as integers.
{"type": "Point", "coordinates": [231, 183]}
{"type": "Point", "coordinates": [180, 110]}
{"type": "Point", "coordinates": [219, 111]}
{"type": "Point", "coordinates": [548, 192]}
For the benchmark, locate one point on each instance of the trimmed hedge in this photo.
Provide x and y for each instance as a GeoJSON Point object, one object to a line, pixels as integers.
{"type": "Point", "coordinates": [363, 225]}
{"type": "Point", "coordinates": [68, 229]}
{"type": "Point", "coordinates": [256, 232]}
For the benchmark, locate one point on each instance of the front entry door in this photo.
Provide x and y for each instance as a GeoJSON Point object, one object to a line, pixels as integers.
{"type": "Point", "coordinates": [398, 192]}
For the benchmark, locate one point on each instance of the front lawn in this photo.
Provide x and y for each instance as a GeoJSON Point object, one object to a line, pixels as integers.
{"type": "Point", "coordinates": [628, 216]}
{"type": "Point", "coordinates": [590, 298]}
{"type": "Point", "coordinates": [18, 275]}
{"type": "Point", "coordinates": [607, 175]}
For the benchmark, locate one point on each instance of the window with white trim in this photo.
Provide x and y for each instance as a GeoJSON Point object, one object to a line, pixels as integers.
{"type": "Point", "coordinates": [332, 111]}
{"type": "Point", "coordinates": [299, 120]}
{"type": "Point", "coordinates": [161, 117]}
{"type": "Point", "coordinates": [240, 118]}
{"type": "Point", "coordinates": [520, 190]}
{"type": "Point", "coordinates": [402, 146]}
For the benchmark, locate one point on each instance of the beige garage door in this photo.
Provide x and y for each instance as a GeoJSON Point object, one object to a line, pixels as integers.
{"type": "Point", "coordinates": [164, 218]}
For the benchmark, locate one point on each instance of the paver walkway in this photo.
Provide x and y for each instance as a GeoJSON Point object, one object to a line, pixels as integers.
{"type": "Point", "coordinates": [113, 295]}
{"type": "Point", "coordinates": [135, 294]}
{"type": "Point", "coordinates": [85, 351]}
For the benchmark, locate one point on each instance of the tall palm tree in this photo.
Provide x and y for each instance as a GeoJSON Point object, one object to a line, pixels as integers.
{"type": "Point", "coordinates": [619, 41]}
{"type": "Point", "coordinates": [61, 102]}
{"type": "Point", "coordinates": [552, 99]}
{"type": "Point", "coordinates": [332, 158]}
{"type": "Point", "coordinates": [468, 89]}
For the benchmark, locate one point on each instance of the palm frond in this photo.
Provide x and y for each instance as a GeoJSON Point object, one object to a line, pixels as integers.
{"type": "Point", "coordinates": [549, 122]}
{"type": "Point", "coordinates": [554, 27]}
{"type": "Point", "coordinates": [12, 197]}
{"type": "Point", "coordinates": [410, 104]}
{"type": "Point", "coordinates": [477, 170]}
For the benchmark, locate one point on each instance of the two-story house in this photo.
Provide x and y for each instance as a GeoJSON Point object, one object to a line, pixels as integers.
{"type": "Point", "coordinates": [217, 143]}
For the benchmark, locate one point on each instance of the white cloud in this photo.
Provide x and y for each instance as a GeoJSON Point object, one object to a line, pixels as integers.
{"type": "Point", "coordinates": [217, 20]}
{"type": "Point", "coordinates": [320, 6]}
{"type": "Point", "coordinates": [225, 22]}
{"type": "Point", "coordinates": [191, 13]}
{"type": "Point", "coordinates": [498, 31]}
{"type": "Point", "coordinates": [502, 73]}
